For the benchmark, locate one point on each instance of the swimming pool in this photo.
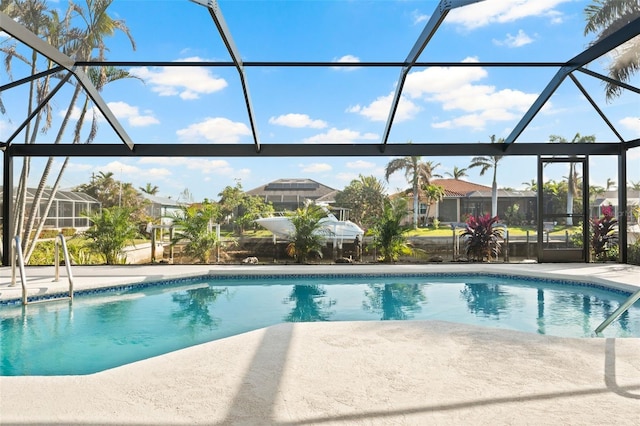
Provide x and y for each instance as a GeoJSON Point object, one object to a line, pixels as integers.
{"type": "Point", "coordinates": [106, 329]}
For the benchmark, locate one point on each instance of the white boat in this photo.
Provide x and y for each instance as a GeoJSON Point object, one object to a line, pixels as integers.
{"type": "Point", "coordinates": [331, 228]}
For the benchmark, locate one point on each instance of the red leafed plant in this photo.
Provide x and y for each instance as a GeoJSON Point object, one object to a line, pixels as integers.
{"type": "Point", "coordinates": [483, 238]}
{"type": "Point", "coordinates": [604, 235]}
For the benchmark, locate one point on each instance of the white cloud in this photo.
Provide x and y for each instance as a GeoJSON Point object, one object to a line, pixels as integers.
{"type": "Point", "coordinates": [633, 124]}
{"type": "Point", "coordinates": [360, 165]}
{"type": "Point", "coordinates": [518, 40]}
{"type": "Point", "coordinates": [216, 130]}
{"type": "Point", "coordinates": [315, 167]}
{"type": "Point", "coordinates": [203, 165]}
{"type": "Point", "coordinates": [297, 120]}
{"type": "Point", "coordinates": [418, 17]}
{"type": "Point", "coordinates": [123, 110]}
{"type": "Point", "coordinates": [186, 82]}
{"type": "Point", "coordinates": [378, 110]}
{"type": "Point", "coordinates": [334, 135]}
{"type": "Point", "coordinates": [119, 168]}
{"type": "Point", "coordinates": [346, 58]}
{"type": "Point", "coordinates": [491, 12]}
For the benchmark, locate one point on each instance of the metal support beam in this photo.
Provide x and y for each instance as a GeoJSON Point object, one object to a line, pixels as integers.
{"type": "Point", "coordinates": [39, 107]}
{"type": "Point", "coordinates": [610, 80]}
{"type": "Point", "coordinates": [595, 106]}
{"type": "Point", "coordinates": [22, 34]}
{"type": "Point", "coordinates": [7, 203]}
{"type": "Point", "coordinates": [429, 30]}
{"type": "Point", "coordinates": [593, 52]}
{"type": "Point", "coordinates": [309, 150]}
{"type": "Point", "coordinates": [223, 30]}
{"type": "Point", "coordinates": [622, 205]}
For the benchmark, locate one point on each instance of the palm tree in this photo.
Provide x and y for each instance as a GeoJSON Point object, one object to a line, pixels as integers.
{"type": "Point", "coordinates": [433, 194]}
{"type": "Point", "coordinates": [457, 173]}
{"type": "Point", "coordinates": [78, 44]}
{"type": "Point", "coordinates": [532, 185]}
{"type": "Point", "coordinates": [490, 162]}
{"type": "Point", "coordinates": [605, 17]}
{"type": "Point", "coordinates": [572, 178]}
{"type": "Point", "coordinates": [417, 172]}
{"type": "Point", "coordinates": [634, 186]}
{"type": "Point", "coordinates": [389, 233]}
{"type": "Point", "coordinates": [149, 189]}
{"type": "Point", "coordinates": [610, 183]}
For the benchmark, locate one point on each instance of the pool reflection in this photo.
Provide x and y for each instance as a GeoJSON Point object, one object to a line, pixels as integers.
{"type": "Point", "coordinates": [394, 301]}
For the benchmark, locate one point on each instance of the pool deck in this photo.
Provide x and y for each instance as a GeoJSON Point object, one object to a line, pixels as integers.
{"type": "Point", "coordinates": [361, 373]}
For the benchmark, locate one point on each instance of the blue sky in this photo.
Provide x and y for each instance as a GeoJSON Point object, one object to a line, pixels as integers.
{"type": "Point", "coordinates": [341, 104]}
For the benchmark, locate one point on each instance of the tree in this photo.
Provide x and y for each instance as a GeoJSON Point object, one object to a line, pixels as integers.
{"type": "Point", "coordinates": [532, 185]}
{"type": "Point", "coordinates": [194, 225]}
{"type": "Point", "coordinates": [605, 17]}
{"type": "Point", "coordinates": [457, 173]}
{"type": "Point", "coordinates": [416, 172]}
{"type": "Point", "coordinates": [241, 208]}
{"type": "Point", "coordinates": [389, 233]}
{"type": "Point", "coordinates": [308, 235]}
{"type": "Point", "coordinates": [573, 178]}
{"type": "Point", "coordinates": [111, 230]}
{"type": "Point", "coordinates": [364, 197]}
{"type": "Point", "coordinates": [433, 194]}
{"type": "Point", "coordinates": [149, 189]}
{"type": "Point", "coordinates": [634, 186]}
{"type": "Point", "coordinates": [610, 184]}
{"type": "Point", "coordinates": [490, 162]}
{"type": "Point", "coordinates": [77, 43]}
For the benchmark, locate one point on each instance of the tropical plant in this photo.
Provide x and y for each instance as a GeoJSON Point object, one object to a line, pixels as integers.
{"type": "Point", "coordinates": [75, 42]}
{"type": "Point", "coordinates": [573, 178]}
{"type": "Point", "coordinates": [388, 233]}
{"type": "Point", "coordinates": [394, 301]}
{"type": "Point", "coordinates": [482, 238]}
{"type": "Point", "coordinates": [194, 226]}
{"type": "Point", "coordinates": [110, 232]}
{"type": "Point", "coordinates": [490, 162]}
{"type": "Point", "coordinates": [604, 235]}
{"type": "Point", "coordinates": [149, 189]}
{"type": "Point", "coordinates": [634, 186]}
{"type": "Point", "coordinates": [241, 208]}
{"type": "Point", "coordinates": [457, 173]}
{"type": "Point", "coordinates": [432, 194]}
{"type": "Point", "coordinates": [604, 17]}
{"type": "Point", "coordinates": [416, 172]}
{"type": "Point", "coordinates": [308, 235]}
{"type": "Point", "coordinates": [364, 197]}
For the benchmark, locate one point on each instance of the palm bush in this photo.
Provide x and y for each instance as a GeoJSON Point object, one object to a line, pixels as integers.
{"type": "Point", "coordinates": [309, 235]}
{"type": "Point", "coordinates": [389, 234]}
{"type": "Point", "coordinates": [110, 232]}
{"type": "Point", "coordinates": [194, 226]}
{"type": "Point", "coordinates": [482, 237]}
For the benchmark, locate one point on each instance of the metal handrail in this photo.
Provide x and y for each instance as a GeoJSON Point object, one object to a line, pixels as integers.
{"type": "Point", "coordinates": [67, 262]}
{"type": "Point", "coordinates": [621, 309]}
{"type": "Point", "coordinates": [16, 251]}
{"type": "Point", "coordinates": [16, 254]}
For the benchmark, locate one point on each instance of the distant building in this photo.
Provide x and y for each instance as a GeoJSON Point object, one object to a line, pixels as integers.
{"type": "Point", "coordinates": [610, 198]}
{"type": "Point", "coordinates": [67, 211]}
{"type": "Point", "coordinates": [162, 208]}
{"type": "Point", "coordinates": [463, 199]}
{"type": "Point", "coordinates": [290, 194]}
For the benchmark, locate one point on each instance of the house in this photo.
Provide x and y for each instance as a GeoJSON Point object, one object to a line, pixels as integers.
{"type": "Point", "coordinates": [162, 208]}
{"type": "Point", "coordinates": [610, 198]}
{"type": "Point", "coordinates": [290, 194]}
{"type": "Point", "coordinates": [463, 199]}
{"type": "Point", "coordinates": [68, 210]}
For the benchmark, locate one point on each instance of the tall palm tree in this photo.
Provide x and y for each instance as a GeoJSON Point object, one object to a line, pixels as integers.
{"type": "Point", "coordinates": [573, 177]}
{"type": "Point", "coordinates": [417, 173]}
{"type": "Point", "coordinates": [490, 162]}
{"type": "Point", "coordinates": [605, 17]}
{"type": "Point", "coordinates": [78, 43]}
{"type": "Point", "coordinates": [457, 173]}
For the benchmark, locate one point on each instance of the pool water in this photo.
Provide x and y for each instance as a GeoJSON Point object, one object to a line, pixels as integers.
{"type": "Point", "coordinates": [113, 328]}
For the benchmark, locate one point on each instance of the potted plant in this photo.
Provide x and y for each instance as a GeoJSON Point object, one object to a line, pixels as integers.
{"type": "Point", "coordinates": [482, 237]}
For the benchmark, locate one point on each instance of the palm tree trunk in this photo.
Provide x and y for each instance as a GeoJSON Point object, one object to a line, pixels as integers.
{"type": "Point", "coordinates": [415, 207]}
{"type": "Point", "coordinates": [570, 187]}
{"type": "Point", "coordinates": [494, 194]}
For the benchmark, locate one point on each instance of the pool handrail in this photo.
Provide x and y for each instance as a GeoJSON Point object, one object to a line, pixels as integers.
{"type": "Point", "coordinates": [621, 309]}
{"type": "Point", "coordinates": [16, 255]}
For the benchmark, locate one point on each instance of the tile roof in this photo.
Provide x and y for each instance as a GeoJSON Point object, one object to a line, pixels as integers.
{"type": "Point", "coordinates": [458, 187]}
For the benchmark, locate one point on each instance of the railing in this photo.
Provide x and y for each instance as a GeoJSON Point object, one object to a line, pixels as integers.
{"type": "Point", "coordinates": [18, 257]}
{"type": "Point", "coordinates": [623, 308]}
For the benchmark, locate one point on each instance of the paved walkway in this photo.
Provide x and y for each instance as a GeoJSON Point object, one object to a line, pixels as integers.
{"type": "Point", "coordinates": [409, 372]}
